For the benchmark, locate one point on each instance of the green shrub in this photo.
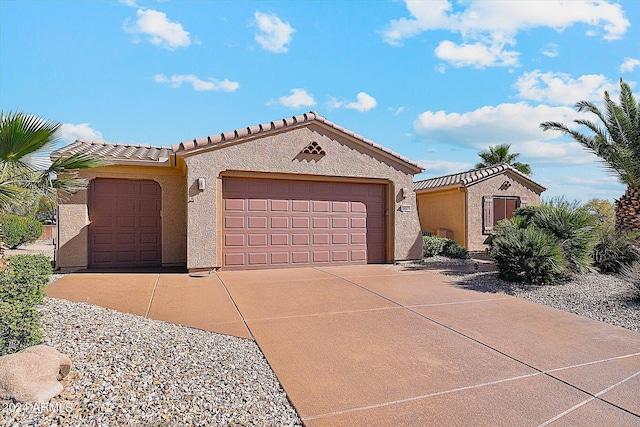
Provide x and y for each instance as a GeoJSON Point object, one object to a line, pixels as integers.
{"type": "Point", "coordinates": [25, 279]}
{"type": "Point", "coordinates": [614, 251]}
{"type": "Point", "coordinates": [573, 227]}
{"type": "Point", "coordinates": [452, 249]}
{"type": "Point", "coordinates": [527, 254]}
{"type": "Point", "coordinates": [21, 289]}
{"type": "Point", "coordinates": [20, 327]}
{"type": "Point", "coordinates": [17, 230]}
{"type": "Point", "coordinates": [432, 245]}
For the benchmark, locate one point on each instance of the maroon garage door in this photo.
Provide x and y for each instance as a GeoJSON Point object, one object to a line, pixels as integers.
{"type": "Point", "coordinates": [269, 223]}
{"type": "Point", "coordinates": [125, 223]}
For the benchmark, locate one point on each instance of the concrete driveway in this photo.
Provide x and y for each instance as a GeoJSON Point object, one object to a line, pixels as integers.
{"type": "Point", "coordinates": [385, 345]}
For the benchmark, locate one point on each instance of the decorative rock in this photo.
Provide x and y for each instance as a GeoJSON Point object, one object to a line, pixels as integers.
{"type": "Point", "coordinates": [32, 375]}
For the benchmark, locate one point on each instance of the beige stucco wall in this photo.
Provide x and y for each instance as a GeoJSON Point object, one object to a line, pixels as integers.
{"type": "Point", "coordinates": [73, 216]}
{"type": "Point", "coordinates": [492, 187]}
{"type": "Point", "coordinates": [443, 209]}
{"type": "Point", "coordinates": [279, 153]}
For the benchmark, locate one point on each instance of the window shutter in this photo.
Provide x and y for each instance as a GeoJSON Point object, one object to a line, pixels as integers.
{"type": "Point", "coordinates": [524, 201]}
{"type": "Point", "coordinates": [487, 208]}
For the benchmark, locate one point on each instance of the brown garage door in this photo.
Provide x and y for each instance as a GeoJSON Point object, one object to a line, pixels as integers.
{"type": "Point", "coordinates": [125, 223]}
{"type": "Point", "coordinates": [277, 223]}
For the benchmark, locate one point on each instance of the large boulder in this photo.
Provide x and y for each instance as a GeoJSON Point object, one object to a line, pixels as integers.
{"type": "Point", "coordinates": [33, 374]}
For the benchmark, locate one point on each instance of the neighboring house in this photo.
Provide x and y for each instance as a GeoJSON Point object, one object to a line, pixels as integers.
{"type": "Point", "coordinates": [301, 191]}
{"type": "Point", "coordinates": [465, 206]}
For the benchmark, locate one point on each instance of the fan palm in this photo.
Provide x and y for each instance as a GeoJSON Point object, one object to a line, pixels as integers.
{"type": "Point", "coordinates": [616, 139]}
{"type": "Point", "coordinates": [499, 154]}
{"type": "Point", "coordinates": [23, 136]}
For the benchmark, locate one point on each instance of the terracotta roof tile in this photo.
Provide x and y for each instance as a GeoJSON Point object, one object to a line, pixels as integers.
{"type": "Point", "coordinates": [276, 125]}
{"type": "Point", "coordinates": [117, 152]}
{"type": "Point", "coordinates": [464, 179]}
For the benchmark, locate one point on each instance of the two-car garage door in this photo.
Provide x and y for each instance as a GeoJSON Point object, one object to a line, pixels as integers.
{"type": "Point", "coordinates": [272, 223]}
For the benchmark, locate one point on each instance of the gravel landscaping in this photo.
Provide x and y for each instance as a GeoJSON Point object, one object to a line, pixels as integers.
{"type": "Point", "coordinates": [130, 370]}
{"type": "Point", "coordinates": [602, 297]}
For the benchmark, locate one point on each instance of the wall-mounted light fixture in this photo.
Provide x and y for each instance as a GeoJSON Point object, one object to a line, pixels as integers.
{"type": "Point", "coordinates": [202, 184]}
{"type": "Point", "coordinates": [404, 192]}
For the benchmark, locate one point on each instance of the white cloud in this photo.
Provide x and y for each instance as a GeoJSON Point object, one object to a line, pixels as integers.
{"type": "Point", "coordinates": [478, 55]}
{"type": "Point", "coordinates": [629, 65]}
{"type": "Point", "coordinates": [364, 102]}
{"type": "Point", "coordinates": [494, 25]}
{"type": "Point", "coordinates": [177, 80]}
{"type": "Point", "coordinates": [70, 132]}
{"type": "Point", "coordinates": [550, 50]}
{"type": "Point", "coordinates": [560, 88]}
{"type": "Point", "coordinates": [443, 167]}
{"type": "Point", "coordinates": [515, 124]}
{"type": "Point", "coordinates": [298, 98]}
{"type": "Point", "coordinates": [273, 35]}
{"type": "Point", "coordinates": [160, 30]}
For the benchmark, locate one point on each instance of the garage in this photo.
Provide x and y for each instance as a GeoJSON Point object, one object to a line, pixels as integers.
{"type": "Point", "coordinates": [272, 223]}
{"type": "Point", "coordinates": [125, 223]}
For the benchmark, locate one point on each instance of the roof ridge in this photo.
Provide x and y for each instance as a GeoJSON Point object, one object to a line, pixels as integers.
{"type": "Point", "coordinates": [120, 144]}
{"type": "Point", "coordinates": [276, 125]}
{"type": "Point", "coordinates": [463, 172]}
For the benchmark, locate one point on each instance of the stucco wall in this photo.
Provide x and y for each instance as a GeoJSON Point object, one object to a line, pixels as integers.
{"type": "Point", "coordinates": [492, 187]}
{"type": "Point", "coordinates": [443, 210]}
{"type": "Point", "coordinates": [280, 153]}
{"type": "Point", "coordinates": [73, 218]}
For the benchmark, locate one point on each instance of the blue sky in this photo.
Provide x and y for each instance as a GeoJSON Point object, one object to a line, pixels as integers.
{"type": "Point", "coordinates": [436, 81]}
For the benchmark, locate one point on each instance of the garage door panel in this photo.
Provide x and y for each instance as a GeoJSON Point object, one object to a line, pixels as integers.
{"type": "Point", "coordinates": [279, 239]}
{"type": "Point", "coordinates": [297, 222]}
{"type": "Point", "coordinates": [257, 205]}
{"type": "Point", "coordinates": [125, 225]}
{"type": "Point", "coordinates": [302, 223]}
{"type": "Point", "coordinates": [257, 240]}
{"type": "Point", "coordinates": [300, 205]}
{"type": "Point", "coordinates": [300, 257]}
{"type": "Point", "coordinates": [237, 205]}
{"type": "Point", "coordinates": [257, 222]}
{"type": "Point", "coordinates": [258, 259]}
{"type": "Point", "coordinates": [231, 240]}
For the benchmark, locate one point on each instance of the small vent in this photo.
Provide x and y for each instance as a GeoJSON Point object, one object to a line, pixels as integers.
{"type": "Point", "coordinates": [314, 148]}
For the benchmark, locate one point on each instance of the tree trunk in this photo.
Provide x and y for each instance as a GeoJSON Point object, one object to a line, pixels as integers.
{"type": "Point", "coordinates": [628, 211]}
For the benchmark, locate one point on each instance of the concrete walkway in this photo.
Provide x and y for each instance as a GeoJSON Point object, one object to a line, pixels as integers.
{"type": "Point", "coordinates": [386, 345]}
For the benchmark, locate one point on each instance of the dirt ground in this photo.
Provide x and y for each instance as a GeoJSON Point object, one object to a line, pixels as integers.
{"type": "Point", "coordinates": [44, 247]}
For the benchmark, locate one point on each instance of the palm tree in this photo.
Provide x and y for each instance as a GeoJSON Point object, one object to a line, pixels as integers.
{"type": "Point", "coordinates": [21, 137]}
{"type": "Point", "coordinates": [616, 140]}
{"type": "Point", "coordinates": [499, 154]}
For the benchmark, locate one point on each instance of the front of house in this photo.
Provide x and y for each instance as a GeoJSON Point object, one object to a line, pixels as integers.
{"type": "Point", "coordinates": [296, 192]}
{"type": "Point", "coordinates": [466, 206]}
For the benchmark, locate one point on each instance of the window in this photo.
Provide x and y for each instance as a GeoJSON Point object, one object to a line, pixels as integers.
{"type": "Point", "coordinates": [497, 208]}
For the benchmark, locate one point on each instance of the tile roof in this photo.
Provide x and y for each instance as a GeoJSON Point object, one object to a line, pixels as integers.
{"type": "Point", "coordinates": [464, 179]}
{"type": "Point", "coordinates": [278, 125]}
{"type": "Point", "coordinates": [116, 152]}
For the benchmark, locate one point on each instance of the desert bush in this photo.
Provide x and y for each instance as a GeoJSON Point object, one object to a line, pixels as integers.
{"type": "Point", "coordinates": [614, 251]}
{"type": "Point", "coordinates": [631, 274]}
{"type": "Point", "coordinates": [432, 245]}
{"type": "Point", "coordinates": [452, 249]}
{"type": "Point", "coordinates": [574, 229]}
{"type": "Point", "coordinates": [526, 254]}
{"type": "Point", "coordinates": [21, 289]}
{"type": "Point", "coordinates": [17, 230]}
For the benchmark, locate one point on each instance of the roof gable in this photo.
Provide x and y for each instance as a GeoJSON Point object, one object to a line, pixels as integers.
{"type": "Point", "coordinates": [257, 131]}
{"type": "Point", "coordinates": [473, 176]}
